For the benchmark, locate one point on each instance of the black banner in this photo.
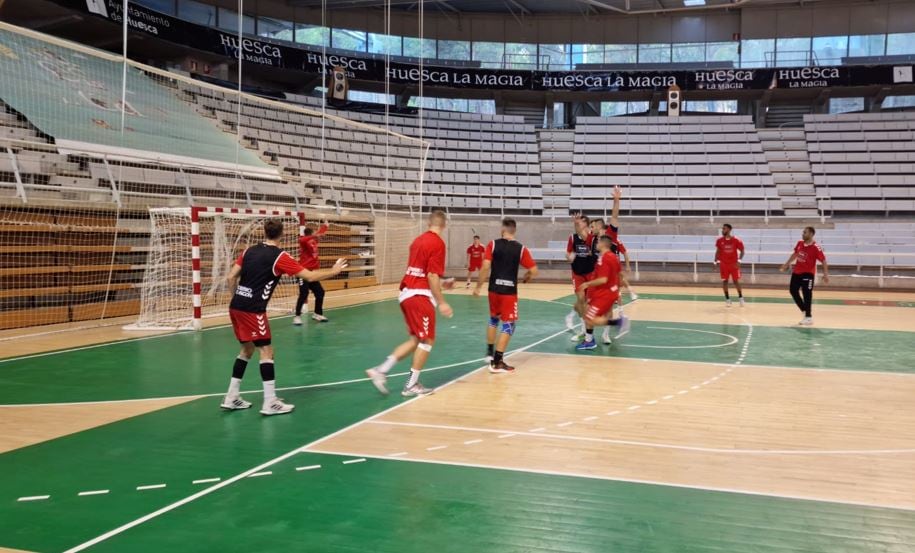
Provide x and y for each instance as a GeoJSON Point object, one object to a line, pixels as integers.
{"type": "Point", "coordinates": [268, 53]}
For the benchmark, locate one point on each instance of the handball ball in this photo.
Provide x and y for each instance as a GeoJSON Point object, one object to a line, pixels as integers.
{"type": "Point", "coordinates": [448, 283]}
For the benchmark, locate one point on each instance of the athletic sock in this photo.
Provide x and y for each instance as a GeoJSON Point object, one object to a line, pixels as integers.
{"type": "Point", "coordinates": [387, 365]}
{"type": "Point", "coordinates": [589, 336]}
{"type": "Point", "coordinates": [727, 295]}
{"type": "Point", "coordinates": [238, 369]}
{"type": "Point", "coordinates": [497, 358]}
{"type": "Point", "coordinates": [269, 391]}
{"type": "Point", "coordinates": [234, 386]}
{"type": "Point", "coordinates": [414, 378]}
{"type": "Point", "coordinates": [490, 350]}
{"type": "Point", "coordinates": [739, 294]}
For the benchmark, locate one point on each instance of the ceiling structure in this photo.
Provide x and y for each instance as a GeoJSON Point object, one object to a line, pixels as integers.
{"type": "Point", "coordinates": [540, 7]}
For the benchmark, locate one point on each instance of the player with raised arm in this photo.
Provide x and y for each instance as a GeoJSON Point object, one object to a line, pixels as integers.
{"type": "Point", "coordinates": [597, 296]}
{"type": "Point", "coordinates": [308, 258]}
{"type": "Point", "coordinates": [420, 292]}
{"type": "Point", "coordinates": [729, 251]}
{"type": "Point", "coordinates": [581, 251]}
{"type": "Point", "coordinates": [474, 258]}
{"type": "Point", "coordinates": [805, 256]}
{"type": "Point", "coordinates": [500, 269]}
{"type": "Point", "coordinates": [258, 270]}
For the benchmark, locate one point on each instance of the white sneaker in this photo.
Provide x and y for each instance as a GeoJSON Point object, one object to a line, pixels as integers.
{"type": "Point", "coordinates": [379, 379]}
{"type": "Point", "coordinates": [305, 309]}
{"type": "Point", "coordinates": [319, 318]}
{"type": "Point", "coordinates": [276, 407]}
{"type": "Point", "coordinates": [742, 303]}
{"type": "Point", "coordinates": [624, 326]}
{"type": "Point", "coordinates": [633, 296]}
{"type": "Point", "coordinates": [234, 402]}
{"type": "Point", "coordinates": [570, 322]}
{"type": "Point", "coordinates": [806, 321]}
{"type": "Point", "coordinates": [416, 390]}
{"type": "Point", "coordinates": [297, 321]}
{"type": "Point", "coordinates": [727, 302]}
{"type": "Point", "coordinates": [605, 337]}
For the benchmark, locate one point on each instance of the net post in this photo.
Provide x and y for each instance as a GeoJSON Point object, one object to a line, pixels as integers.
{"type": "Point", "coordinates": [195, 268]}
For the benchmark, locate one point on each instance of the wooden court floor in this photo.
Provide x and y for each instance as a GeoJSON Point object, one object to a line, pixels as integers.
{"type": "Point", "coordinates": [707, 429]}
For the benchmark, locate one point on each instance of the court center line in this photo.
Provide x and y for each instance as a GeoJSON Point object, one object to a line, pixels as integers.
{"type": "Point", "coordinates": [241, 476]}
{"type": "Point", "coordinates": [545, 435]}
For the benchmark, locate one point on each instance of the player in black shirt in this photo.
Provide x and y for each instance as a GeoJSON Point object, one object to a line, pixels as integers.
{"type": "Point", "coordinates": [258, 271]}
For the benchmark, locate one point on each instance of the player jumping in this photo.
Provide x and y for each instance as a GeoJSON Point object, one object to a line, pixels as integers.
{"type": "Point", "coordinates": [420, 291]}
{"type": "Point", "coordinates": [259, 269]}
{"type": "Point", "coordinates": [500, 269]}
{"type": "Point", "coordinates": [728, 260]}
{"type": "Point", "coordinates": [308, 258]}
{"type": "Point", "coordinates": [806, 254]}
{"type": "Point", "coordinates": [597, 296]}
{"type": "Point", "coordinates": [474, 258]}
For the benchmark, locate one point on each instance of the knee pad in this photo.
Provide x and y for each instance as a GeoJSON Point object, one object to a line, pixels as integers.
{"type": "Point", "coordinates": [494, 322]}
{"type": "Point", "coordinates": [425, 347]}
{"type": "Point", "coordinates": [508, 328]}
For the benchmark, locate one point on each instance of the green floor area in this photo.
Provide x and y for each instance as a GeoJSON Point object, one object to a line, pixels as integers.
{"type": "Point", "coordinates": [403, 507]}
{"type": "Point", "coordinates": [718, 297]}
{"type": "Point", "coordinates": [387, 505]}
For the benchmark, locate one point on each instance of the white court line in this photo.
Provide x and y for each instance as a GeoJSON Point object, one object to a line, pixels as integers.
{"type": "Point", "coordinates": [34, 498]}
{"type": "Point", "coordinates": [93, 492]}
{"type": "Point", "coordinates": [657, 445]}
{"type": "Point", "coordinates": [228, 482]}
{"type": "Point", "coordinates": [436, 448]}
{"type": "Point", "coordinates": [205, 481]}
{"type": "Point", "coordinates": [309, 467]}
{"type": "Point", "coordinates": [630, 480]}
{"type": "Point", "coordinates": [471, 442]}
{"type": "Point", "coordinates": [731, 339]}
{"type": "Point", "coordinates": [262, 473]}
{"type": "Point", "coordinates": [351, 461]}
{"type": "Point", "coordinates": [150, 487]}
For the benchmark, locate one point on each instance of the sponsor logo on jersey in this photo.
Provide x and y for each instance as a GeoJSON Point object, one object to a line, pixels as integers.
{"type": "Point", "coordinates": [244, 292]}
{"type": "Point", "coordinates": [504, 282]}
{"type": "Point", "coordinates": [415, 272]}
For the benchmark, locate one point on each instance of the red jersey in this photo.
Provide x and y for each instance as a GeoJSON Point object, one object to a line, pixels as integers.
{"type": "Point", "coordinates": [613, 232]}
{"type": "Point", "coordinates": [476, 253]}
{"type": "Point", "coordinates": [727, 250]}
{"type": "Point", "coordinates": [807, 257]}
{"type": "Point", "coordinates": [427, 256]}
{"type": "Point", "coordinates": [308, 249]}
{"type": "Point", "coordinates": [608, 266]}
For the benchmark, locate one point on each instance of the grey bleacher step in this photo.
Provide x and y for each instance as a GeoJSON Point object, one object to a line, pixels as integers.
{"type": "Point", "coordinates": [799, 202]}
{"type": "Point", "coordinates": [792, 178]}
{"type": "Point", "coordinates": [781, 135]}
{"type": "Point", "coordinates": [564, 177]}
{"type": "Point", "coordinates": [786, 155]}
{"type": "Point", "coordinates": [784, 145]}
{"type": "Point", "coordinates": [19, 133]}
{"type": "Point", "coordinates": [789, 166]}
{"type": "Point", "coordinates": [556, 156]}
{"type": "Point", "coordinates": [801, 212]}
{"type": "Point", "coordinates": [80, 182]}
{"type": "Point", "coordinates": [796, 190]}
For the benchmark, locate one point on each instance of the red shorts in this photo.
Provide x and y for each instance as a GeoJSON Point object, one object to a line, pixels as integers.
{"type": "Point", "coordinates": [504, 306]}
{"type": "Point", "coordinates": [578, 280]}
{"type": "Point", "coordinates": [601, 304]}
{"type": "Point", "coordinates": [729, 271]}
{"type": "Point", "coordinates": [419, 314]}
{"type": "Point", "coordinates": [249, 327]}
{"type": "Point", "coordinates": [475, 266]}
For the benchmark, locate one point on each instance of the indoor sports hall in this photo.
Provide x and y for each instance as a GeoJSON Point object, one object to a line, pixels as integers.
{"type": "Point", "coordinates": [699, 214]}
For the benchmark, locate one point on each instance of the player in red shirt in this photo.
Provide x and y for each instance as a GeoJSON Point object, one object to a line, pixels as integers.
{"type": "Point", "coordinates": [729, 251]}
{"type": "Point", "coordinates": [308, 258]}
{"type": "Point", "coordinates": [805, 257]}
{"type": "Point", "coordinates": [474, 258]}
{"type": "Point", "coordinates": [258, 270]}
{"type": "Point", "coordinates": [597, 296]}
{"type": "Point", "coordinates": [420, 291]}
{"type": "Point", "coordinates": [500, 270]}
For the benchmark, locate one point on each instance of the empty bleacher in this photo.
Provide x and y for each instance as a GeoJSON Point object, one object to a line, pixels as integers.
{"type": "Point", "coordinates": [673, 166]}
{"type": "Point", "coordinates": [863, 162]}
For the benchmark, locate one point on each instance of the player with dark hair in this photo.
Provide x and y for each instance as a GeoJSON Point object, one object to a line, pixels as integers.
{"type": "Point", "coordinates": [729, 251]}
{"type": "Point", "coordinates": [597, 296]}
{"type": "Point", "coordinates": [806, 254]}
{"type": "Point", "coordinates": [420, 292]}
{"type": "Point", "coordinates": [308, 258]}
{"type": "Point", "coordinates": [581, 251]}
{"type": "Point", "coordinates": [500, 270]}
{"type": "Point", "coordinates": [474, 258]}
{"type": "Point", "coordinates": [258, 270]}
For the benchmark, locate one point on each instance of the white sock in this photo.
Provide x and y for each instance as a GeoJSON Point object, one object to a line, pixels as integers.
{"type": "Point", "coordinates": [589, 336]}
{"type": "Point", "coordinates": [414, 378]}
{"type": "Point", "coordinates": [234, 386]}
{"type": "Point", "coordinates": [269, 390]}
{"type": "Point", "coordinates": [388, 364]}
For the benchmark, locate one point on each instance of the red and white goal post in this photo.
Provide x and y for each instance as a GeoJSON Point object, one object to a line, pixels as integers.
{"type": "Point", "coordinates": [191, 251]}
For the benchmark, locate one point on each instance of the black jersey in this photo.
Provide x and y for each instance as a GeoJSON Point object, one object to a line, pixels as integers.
{"type": "Point", "coordinates": [261, 268]}
{"type": "Point", "coordinates": [585, 253]}
{"type": "Point", "coordinates": [505, 257]}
